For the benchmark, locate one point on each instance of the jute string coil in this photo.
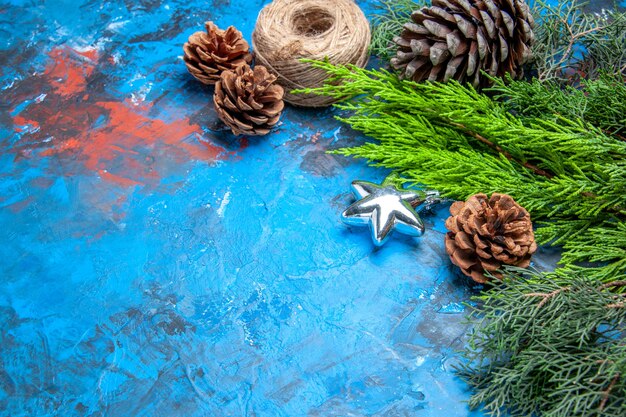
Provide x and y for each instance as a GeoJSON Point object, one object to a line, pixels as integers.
{"type": "Point", "coordinates": [289, 30]}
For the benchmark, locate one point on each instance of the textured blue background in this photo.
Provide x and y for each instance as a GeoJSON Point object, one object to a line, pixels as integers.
{"type": "Point", "coordinates": [153, 265]}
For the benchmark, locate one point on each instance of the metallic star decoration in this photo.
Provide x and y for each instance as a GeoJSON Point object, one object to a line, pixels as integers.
{"type": "Point", "coordinates": [384, 208]}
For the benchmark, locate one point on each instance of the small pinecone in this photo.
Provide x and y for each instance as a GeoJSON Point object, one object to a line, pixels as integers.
{"type": "Point", "coordinates": [209, 53]}
{"type": "Point", "coordinates": [248, 101]}
{"type": "Point", "coordinates": [486, 233]}
{"type": "Point", "coordinates": [456, 39]}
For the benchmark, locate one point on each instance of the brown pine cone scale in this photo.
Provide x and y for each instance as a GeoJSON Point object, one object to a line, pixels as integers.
{"type": "Point", "coordinates": [487, 233]}
{"type": "Point", "coordinates": [456, 39]}
{"type": "Point", "coordinates": [248, 100]}
{"type": "Point", "coordinates": [207, 54]}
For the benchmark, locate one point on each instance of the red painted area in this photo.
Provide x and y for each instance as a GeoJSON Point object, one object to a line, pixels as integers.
{"type": "Point", "coordinates": [116, 140]}
{"type": "Point", "coordinates": [20, 123]}
{"type": "Point", "coordinates": [126, 182]}
{"type": "Point", "coordinates": [69, 69]}
{"type": "Point", "coordinates": [135, 129]}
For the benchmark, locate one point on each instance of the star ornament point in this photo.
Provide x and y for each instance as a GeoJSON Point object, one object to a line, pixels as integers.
{"type": "Point", "coordinates": [384, 208]}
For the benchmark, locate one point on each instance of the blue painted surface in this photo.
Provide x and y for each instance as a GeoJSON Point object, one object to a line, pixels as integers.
{"type": "Point", "coordinates": [153, 265]}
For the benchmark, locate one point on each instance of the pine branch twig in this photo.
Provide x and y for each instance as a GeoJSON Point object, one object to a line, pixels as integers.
{"type": "Point", "coordinates": [535, 169]}
{"type": "Point", "coordinates": [574, 39]}
{"type": "Point", "coordinates": [607, 392]}
{"type": "Point", "coordinates": [546, 296]}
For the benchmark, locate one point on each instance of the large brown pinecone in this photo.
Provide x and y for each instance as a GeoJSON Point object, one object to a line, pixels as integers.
{"type": "Point", "coordinates": [248, 100]}
{"type": "Point", "coordinates": [486, 233]}
{"type": "Point", "coordinates": [456, 39]}
{"type": "Point", "coordinates": [209, 53]}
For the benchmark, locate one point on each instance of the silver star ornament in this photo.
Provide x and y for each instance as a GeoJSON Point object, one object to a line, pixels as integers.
{"type": "Point", "coordinates": [385, 208]}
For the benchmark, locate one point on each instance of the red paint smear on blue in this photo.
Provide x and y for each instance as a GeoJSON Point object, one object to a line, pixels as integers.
{"type": "Point", "coordinates": [122, 148]}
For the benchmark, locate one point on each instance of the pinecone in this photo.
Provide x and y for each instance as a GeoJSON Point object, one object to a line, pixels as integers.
{"type": "Point", "coordinates": [208, 54]}
{"type": "Point", "coordinates": [456, 39]}
{"type": "Point", "coordinates": [486, 233]}
{"type": "Point", "coordinates": [248, 101]}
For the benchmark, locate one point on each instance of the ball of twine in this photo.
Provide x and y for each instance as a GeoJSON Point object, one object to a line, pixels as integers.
{"type": "Point", "coordinates": [289, 30]}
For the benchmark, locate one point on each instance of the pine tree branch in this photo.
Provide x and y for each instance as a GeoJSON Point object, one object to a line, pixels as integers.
{"type": "Point", "coordinates": [568, 174]}
{"type": "Point", "coordinates": [564, 359]}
